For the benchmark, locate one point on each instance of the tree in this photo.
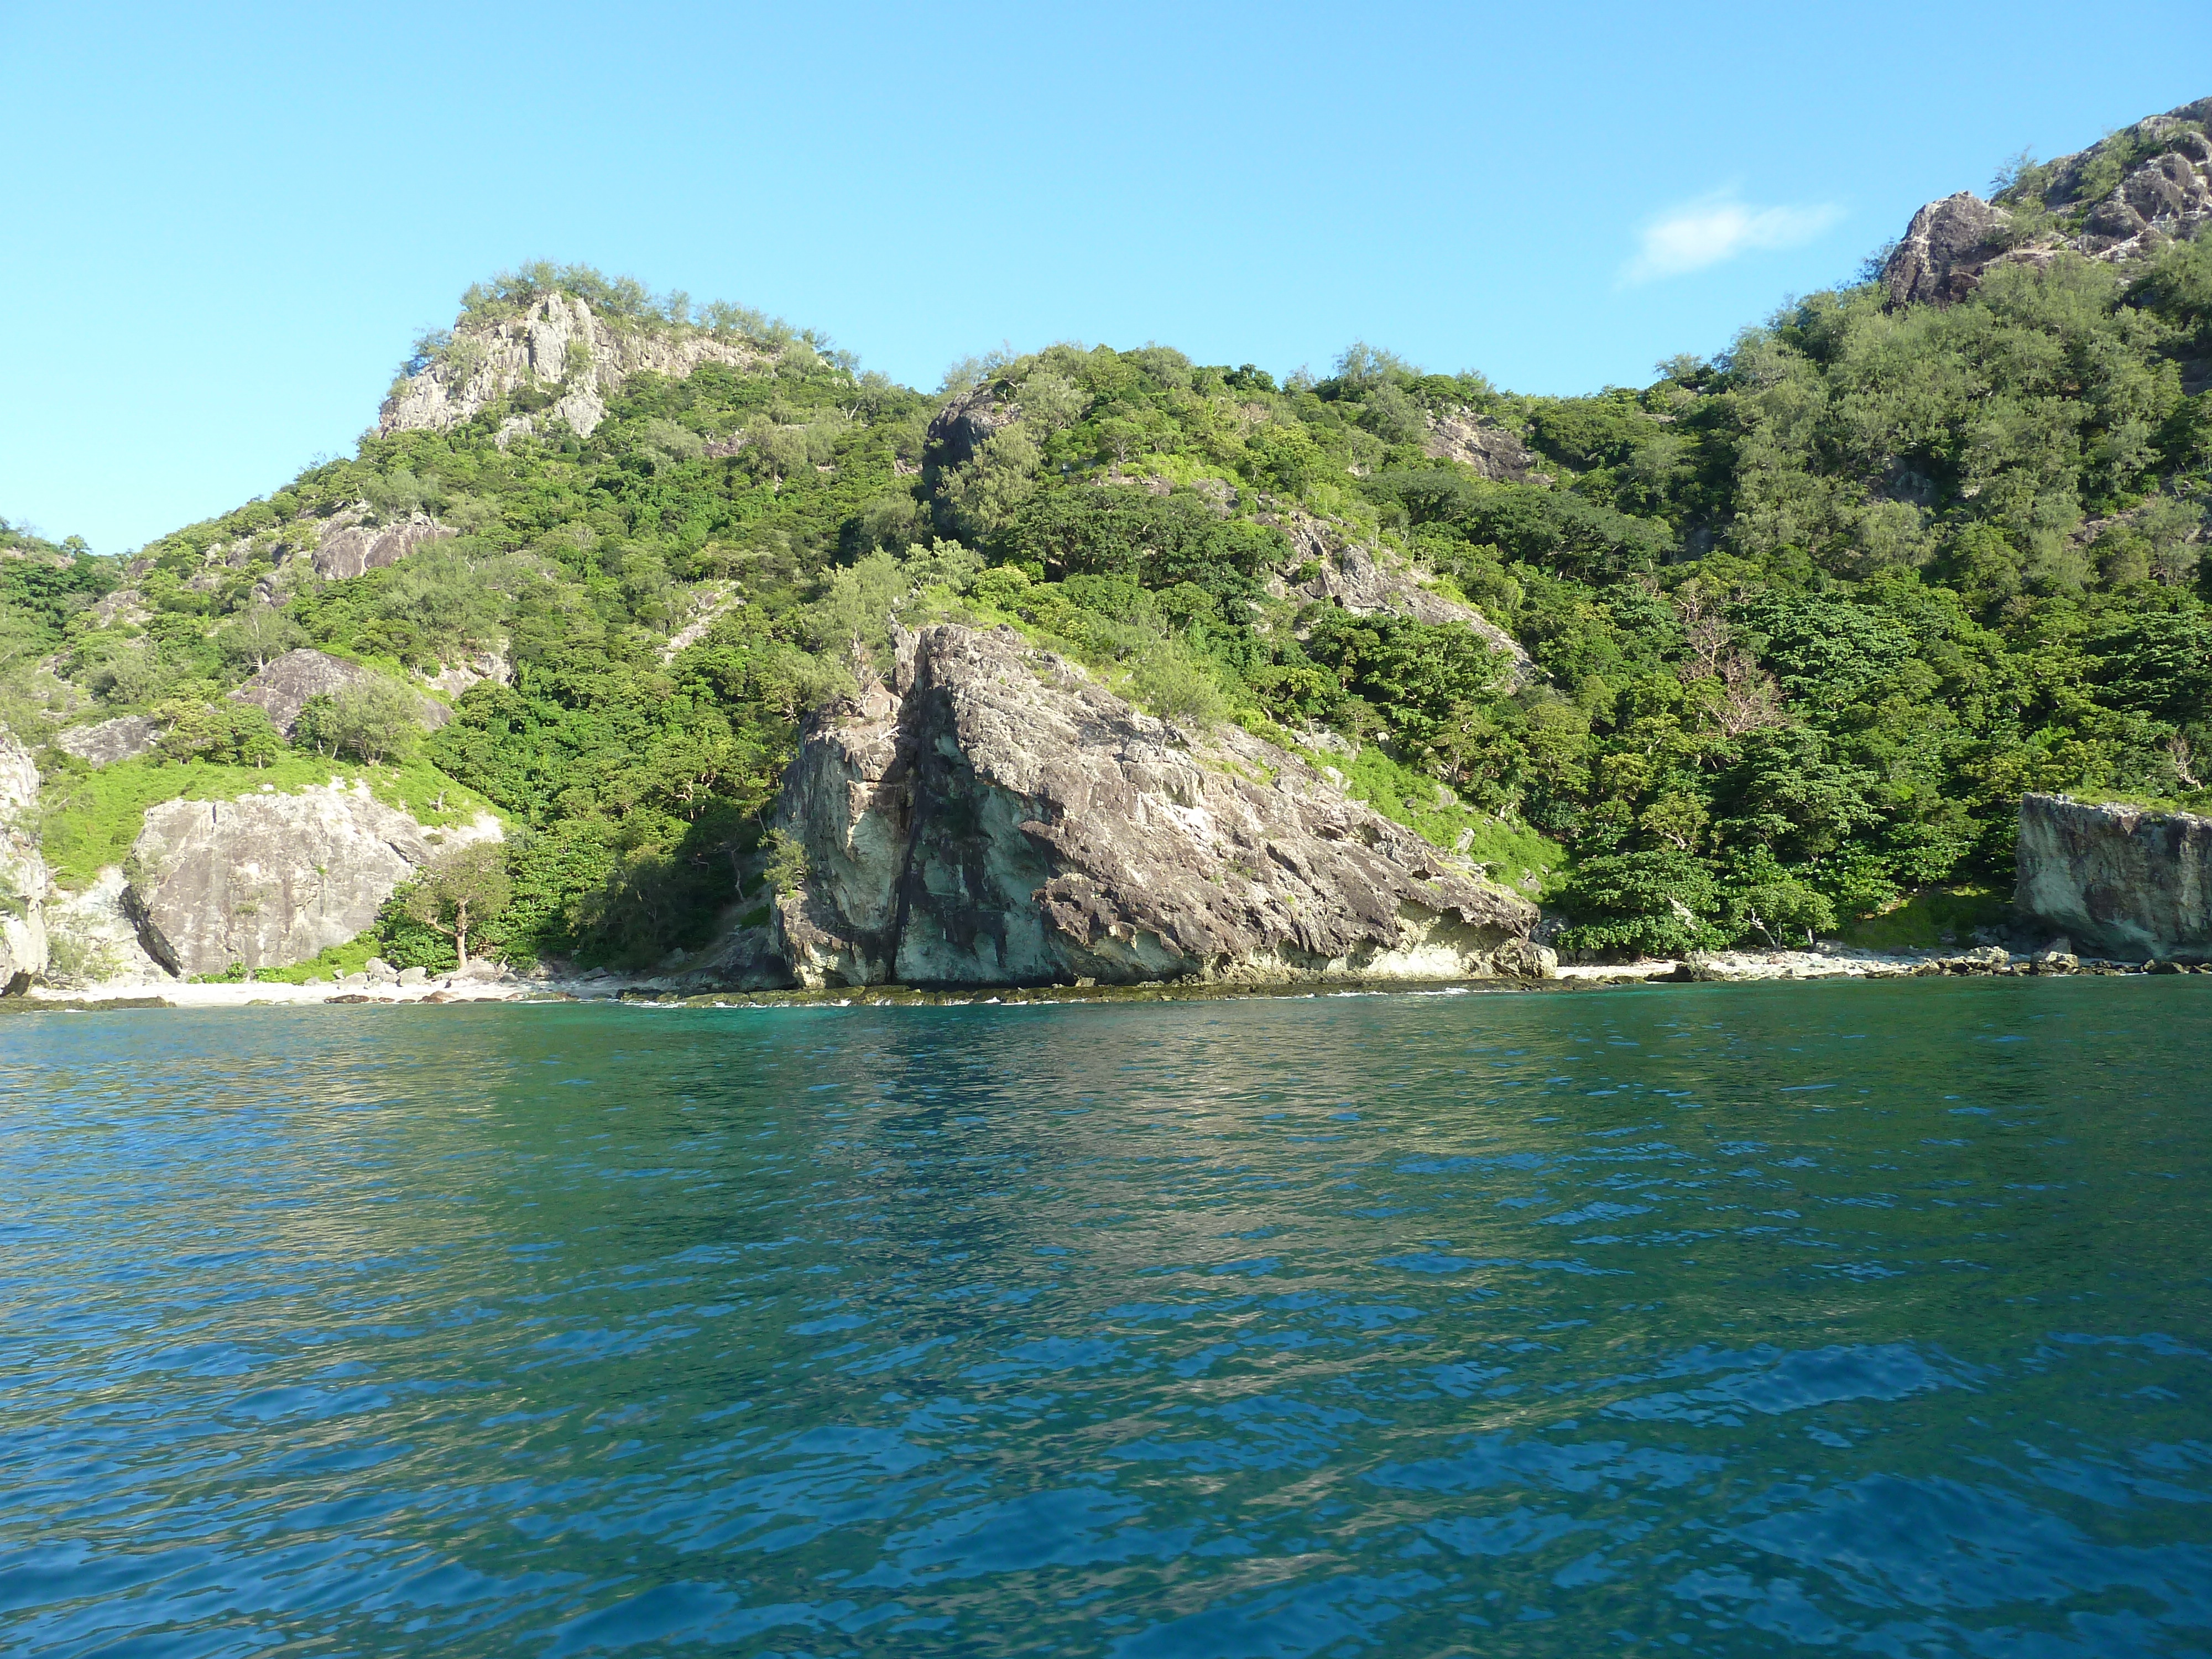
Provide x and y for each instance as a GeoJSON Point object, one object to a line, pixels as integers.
{"type": "Point", "coordinates": [459, 891]}
{"type": "Point", "coordinates": [227, 734]}
{"type": "Point", "coordinates": [372, 719]}
{"type": "Point", "coordinates": [258, 635]}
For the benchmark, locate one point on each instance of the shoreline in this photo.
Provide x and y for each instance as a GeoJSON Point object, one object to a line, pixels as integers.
{"type": "Point", "coordinates": [1729, 967]}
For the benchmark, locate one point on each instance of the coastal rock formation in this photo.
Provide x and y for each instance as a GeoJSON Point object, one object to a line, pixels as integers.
{"type": "Point", "coordinates": [2121, 880]}
{"type": "Point", "coordinates": [24, 884]}
{"type": "Point", "coordinates": [283, 687]}
{"type": "Point", "coordinates": [124, 737]}
{"type": "Point", "coordinates": [2163, 192]}
{"type": "Point", "coordinates": [994, 816]}
{"type": "Point", "coordinates": [98, 935]}
{"type": "Point", "coordinates": [557, 342]}
{"type": "Point", "coordinates": [271, 879]}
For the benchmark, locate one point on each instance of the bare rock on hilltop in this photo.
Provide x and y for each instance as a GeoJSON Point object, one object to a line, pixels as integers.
{"type": "Point", "coordinates": [2164, 194]}
{"type": "Point", "coordinates": [1945, 250]}
{"type": "Point", "coordinates": [559, 342]}
{"type": "Point", "coordinates": [994, 816]}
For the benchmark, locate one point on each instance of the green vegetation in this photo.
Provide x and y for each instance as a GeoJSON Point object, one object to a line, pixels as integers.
{"type": "Point", "coordinates": [90, 816]}
{"type": "Point", "coordinates": [1805, 620]}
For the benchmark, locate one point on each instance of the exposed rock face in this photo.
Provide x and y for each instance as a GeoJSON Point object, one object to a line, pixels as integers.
{"type": "Point", "coordinates": [1370, 581]}
{"type": "Point", "coordinates": [284, 686]}
{"type": "Point", "coordinates": [1489, 450]}
{"type": "Point", "coordinates": [995, 817]}
{"type": "Point", "coordinates": [269, 880]}
{"type": "Point", "coordinates": [961, 426]}
{"type": "Point", "coordinates": [1945, 250]}
{"type": "Point", "coordinates": [558, 341]}
{"type": "Point", "coordinates": [124, 737]}
{"type": "Point", "coordinates": [455, 677]}
{"type": "Point", "coordinates": [97, 936]}
{"type": "Point", "coordinates": [2164, 196]}
{"type": "Point", "coordinates": [24, 884]}
{"type": "Point", "coordinates": [2118, 879]}
{"type": "Point", "coordinates": [349, 548]}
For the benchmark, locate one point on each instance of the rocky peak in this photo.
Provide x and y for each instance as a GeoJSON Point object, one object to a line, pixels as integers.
{"type": "Point", "coordinates": [558, 343]}
{"type": "Point", "coordinates": [2119, 199]}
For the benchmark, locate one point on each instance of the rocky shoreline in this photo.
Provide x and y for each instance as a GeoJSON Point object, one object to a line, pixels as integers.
{"type": "Point", "coordinates": [485, 983]}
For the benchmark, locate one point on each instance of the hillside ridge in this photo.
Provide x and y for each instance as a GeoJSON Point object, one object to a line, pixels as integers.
{"type": "Point", "coordinates": [1766, 650]}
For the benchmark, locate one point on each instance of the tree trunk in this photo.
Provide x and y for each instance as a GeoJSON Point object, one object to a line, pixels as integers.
{"type": "Point", "coordinates": [461, 936]}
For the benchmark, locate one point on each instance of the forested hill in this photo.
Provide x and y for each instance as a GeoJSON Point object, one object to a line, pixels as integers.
{"type": "Point", "coordinates": [1793, 628]}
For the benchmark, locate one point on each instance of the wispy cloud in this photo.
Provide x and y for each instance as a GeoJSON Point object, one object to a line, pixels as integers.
{"type": "Point", "coordinates": [1716, 228]}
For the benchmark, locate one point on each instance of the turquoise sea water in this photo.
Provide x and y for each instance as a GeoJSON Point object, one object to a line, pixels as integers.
{"type": "Point", "coordinates": [1714, 1320]}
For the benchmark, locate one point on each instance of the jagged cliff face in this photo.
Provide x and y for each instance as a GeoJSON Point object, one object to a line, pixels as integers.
{"type": "Point", "coordinates": [994, 816]}
{"type": "Point", "coordinates": [558, 344]}
{"type": "Point", "coordinates": [2164, 195]}
{"type": "Point", "coordinates": [2121, 880]}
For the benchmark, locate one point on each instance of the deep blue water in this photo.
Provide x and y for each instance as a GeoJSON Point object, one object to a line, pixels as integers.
{"type": "Point", "coordinates": [1852, 1318]}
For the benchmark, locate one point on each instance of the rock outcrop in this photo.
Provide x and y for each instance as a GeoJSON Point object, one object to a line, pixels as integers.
{"type": "Point", "coordinates": [557, 342]}
{"type": "Point", "coordinates": [124, 737]}
{"type": "Point", "coordinates": [960, 429]}
{"type": "Point", "coordinates": [282, 689]}
{"type": "Point", "coordinates": [1489, 450]}
{"type": "Point", "coordinates": [1370, 581]}
{"type": "Point", "coordinates": [1945, 250]}
{"type": "Point", "coordinates": [2121, 880]}
{"type": "Point", "coordinates": [347, 547]}
{"type": "Point", "coordinates": [24, 884]}
{"type": "Point", "coordinates": [994, 816]}
{"type": "Point", "coordinates": [98, 935]}
{"type": "Point", "coordinates": [271, 879]}
{"type": "Point", "coordinates": [2164, 194]}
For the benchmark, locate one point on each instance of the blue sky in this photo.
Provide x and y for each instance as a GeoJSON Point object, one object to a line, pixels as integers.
{"type": "Point", "coordinates": [222, 229]}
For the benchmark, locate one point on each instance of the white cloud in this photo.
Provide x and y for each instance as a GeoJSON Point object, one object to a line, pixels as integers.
{"type": "Point", "coordinates": [1703, 232]}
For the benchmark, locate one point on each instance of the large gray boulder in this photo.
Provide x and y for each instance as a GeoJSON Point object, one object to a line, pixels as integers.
{"type": "Point", "coordinates": [2130, 882]}
{"type": "Point", "coordinates": [283, 687]}
{"type": "Point", "coordinates": [994, 816]}
{"type": "Point", "coordinates": [124, 737]}
{"type": "Point", "coordinates": [958, 431]}
{"type": "Point", "coordinates": [1489, 450]}
{"type": "Point", "coordinates": [1369, 580]}
{"type": "Point", "coordinates": [347, 548]}
{"type": "Point", "coordinates": [271, 879]}
{"type": "Point", "coordinates": [1945, 250]}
